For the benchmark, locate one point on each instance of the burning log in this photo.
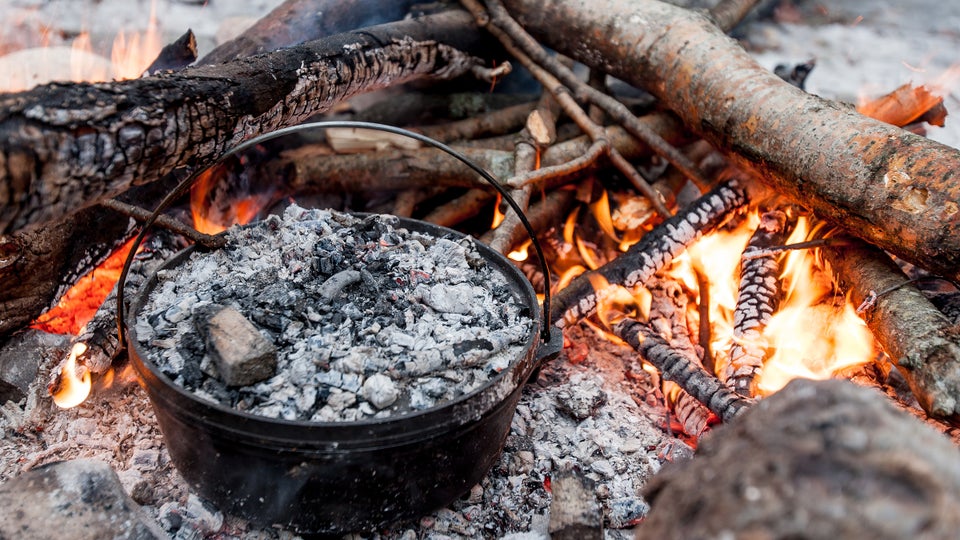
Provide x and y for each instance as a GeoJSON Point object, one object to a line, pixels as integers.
{"type": "Point", "coordinates": [890, 187]}
{"type": "Point", "coordinates": [757, 301]}
{"type": "Point", "coordinates": [682, 369]}
{"type": "Point", "coordinates": [921, 341]}
{"type": "Point", "coordinates": [98, 339]}
{"type": "Point", "coordinates": [68, 146]}
{"type": "Point", "coordinates": [651, 254]}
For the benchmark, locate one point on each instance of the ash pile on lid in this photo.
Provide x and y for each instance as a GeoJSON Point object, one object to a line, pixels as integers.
{"type": "Point", "coordinates": [325, 316]}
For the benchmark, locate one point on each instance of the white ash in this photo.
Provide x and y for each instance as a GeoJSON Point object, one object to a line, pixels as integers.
{"type": "Point", "coordinates": [369, 319]}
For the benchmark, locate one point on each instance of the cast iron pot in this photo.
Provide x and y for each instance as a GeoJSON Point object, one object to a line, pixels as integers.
{"type": "Point", "coordinates": [336, 477]}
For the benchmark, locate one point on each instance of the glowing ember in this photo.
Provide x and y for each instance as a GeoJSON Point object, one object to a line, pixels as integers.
{"type": "Point", "coordinates": [78, 305]}
{"type": "Point", "coordinates": [73, 385]}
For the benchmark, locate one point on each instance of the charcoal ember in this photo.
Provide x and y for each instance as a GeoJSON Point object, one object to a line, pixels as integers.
{"type": "Point", "coordinates": [21, 357]}
{"type": "Point", "coordinates": [368, 319]}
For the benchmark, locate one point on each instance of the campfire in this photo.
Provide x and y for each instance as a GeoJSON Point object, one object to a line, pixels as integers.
{"type": "Point", "coordinates": [711, 232]}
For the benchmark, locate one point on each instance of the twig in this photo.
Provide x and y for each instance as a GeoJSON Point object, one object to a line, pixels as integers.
{"type": "Point", "coordinates": [679, 368]}
{"type": "Point", "coordinates": [491, 74]}
{"type": "Point", "coordinates": [461, 208]}
{"type": "Point", "coordinates": [497, 122]}
{"type": "Point", "coordinates": [505, 28]}
{"type": "Point", "coordinates": [652, 253]}
{"type": "Point", "coordinates": [139, 214]}
{"type": "Point", "coordinates": [776, 250]}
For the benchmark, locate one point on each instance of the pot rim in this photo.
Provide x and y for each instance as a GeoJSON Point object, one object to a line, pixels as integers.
{"type": "Point", "coordinates": [463, 408]}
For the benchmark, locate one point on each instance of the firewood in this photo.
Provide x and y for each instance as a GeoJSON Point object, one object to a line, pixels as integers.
{"type": "Point", "coordinates": [177, 55]}
{"type": "Point", "coordinates": [651, 254]}
{"type": "Point", "coordinates": [758, 298]}
{"type": "Point", "coordinates": [64, 147]}
{"type": "Point", "coordinates": [680, 368]}
{"type": "Point", "coordinates": [885, 185]}
{"type": "Point", "coordinates": [296, 21]}
{"type": "Point", "coordinates": [920, 340]}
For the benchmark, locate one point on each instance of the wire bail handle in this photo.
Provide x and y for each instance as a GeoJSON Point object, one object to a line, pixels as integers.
{"type": "Point", "coordinates": [185, 184]}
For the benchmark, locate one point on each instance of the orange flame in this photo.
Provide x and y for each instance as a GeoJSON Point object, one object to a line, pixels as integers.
{"type": "Point", "coordinates": [498, 216]}
{"type": "Point", "coordinates": [209, 221]}
{"type": "Point", "coordinates": [74, 383]}
{"type": "Point", "coordinates": [78, 305]}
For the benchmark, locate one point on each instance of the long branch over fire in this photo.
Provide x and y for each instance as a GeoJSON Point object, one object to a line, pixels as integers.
{"type": "Point", "coordinates": [67, 146]}
{"type": "Point", "coordinates": [881, 183]}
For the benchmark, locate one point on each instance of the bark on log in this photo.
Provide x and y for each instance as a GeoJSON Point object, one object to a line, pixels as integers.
{"type": "Point", "coordinates": [66, 146]}
{"type": "Point", "coordinates": [922, 342]}
{"type": "Point", "coordinates": [888, 186]}
{"type": "Point", "coordinates": [823, 459]}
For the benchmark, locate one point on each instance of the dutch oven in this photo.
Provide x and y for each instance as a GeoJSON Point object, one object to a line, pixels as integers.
{"type": "Point", "coordinates": [336, 477]}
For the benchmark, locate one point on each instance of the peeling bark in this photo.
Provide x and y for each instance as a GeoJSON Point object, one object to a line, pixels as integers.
{"type": "Point", "coordinates": [67, 146]}
{"type": "Point", "coordinates": [881, 183]}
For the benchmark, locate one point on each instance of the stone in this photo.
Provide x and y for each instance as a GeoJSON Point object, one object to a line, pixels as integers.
{"type": "Point", "coordinates": [818, 459]}
{"type": "Point", "coordinates": [242, 354]}
{"type": "Point", "coordinates": [80, 499]}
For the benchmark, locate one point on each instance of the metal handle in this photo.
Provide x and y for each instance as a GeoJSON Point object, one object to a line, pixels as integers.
{"type": "Point", "coordinates": [185, 184]}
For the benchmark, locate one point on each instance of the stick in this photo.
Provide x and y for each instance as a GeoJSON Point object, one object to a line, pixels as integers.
{"type": "Point", "coordinates": [758, 299]}
{"type": "Point", "coordinates": [888, 186]}
{"type": "Point", "coordinates": [681, 369]}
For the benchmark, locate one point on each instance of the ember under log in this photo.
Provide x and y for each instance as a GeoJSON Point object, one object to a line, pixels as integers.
{"type": "Point", "coordinates": [64, 147]}
{"type": "Point", "coordinates": [886, 185]}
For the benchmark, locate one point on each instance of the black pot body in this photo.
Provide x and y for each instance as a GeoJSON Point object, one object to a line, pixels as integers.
{"type": "Point", "coordinates": [338, 477]}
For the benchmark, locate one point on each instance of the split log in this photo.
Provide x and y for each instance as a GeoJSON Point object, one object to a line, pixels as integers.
{"type": "Point", "coordinates": [922, 342]}
{"type": "Point", "coordinates": [64, 147]}
{"type": "Point", "coordinates": [825, 459]}
{"type": "Point", "coordinates": [888, 186]}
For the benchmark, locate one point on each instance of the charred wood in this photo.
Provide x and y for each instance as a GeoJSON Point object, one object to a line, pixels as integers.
{"type": "Point", "coordinates": [890, 187]}
{"type": "Point", "coordinates": [651, 254]}
{"type": "Point", "coordinates": [922, 342]}
{"type": "Point", "coordinates": [100, 335]}
{"type": "Point", "coordinates": [64, 147]}
{"type": "Point", "coordinates": [498, 122]}
{"type": "Point", "coordinates": [177, 55]}
{"type": "Point", "coordinates": [758, 299]}
{"type": "Point", "coordinates": [682, 369]}
{"type": "Point", "coordinates": [668, 318]}
{"type": "Point", "coordinates": [38, 266]}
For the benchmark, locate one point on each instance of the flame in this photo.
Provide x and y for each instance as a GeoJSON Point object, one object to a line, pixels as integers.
{"type": "Point", "coordinates": [498, 216]}
{"type": "Point", "coordinates": [810, 335]}
{"type": "Point", "coordinates": [521, 253]}
{"type": "Point", "coordinates": [81, 301]}
{"type": "Point", "coordinates": [74, 383]}
{"type": "Point", "coordinates": [239, 211]}
{"type": "Point", "coordinates": [130, 56]}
